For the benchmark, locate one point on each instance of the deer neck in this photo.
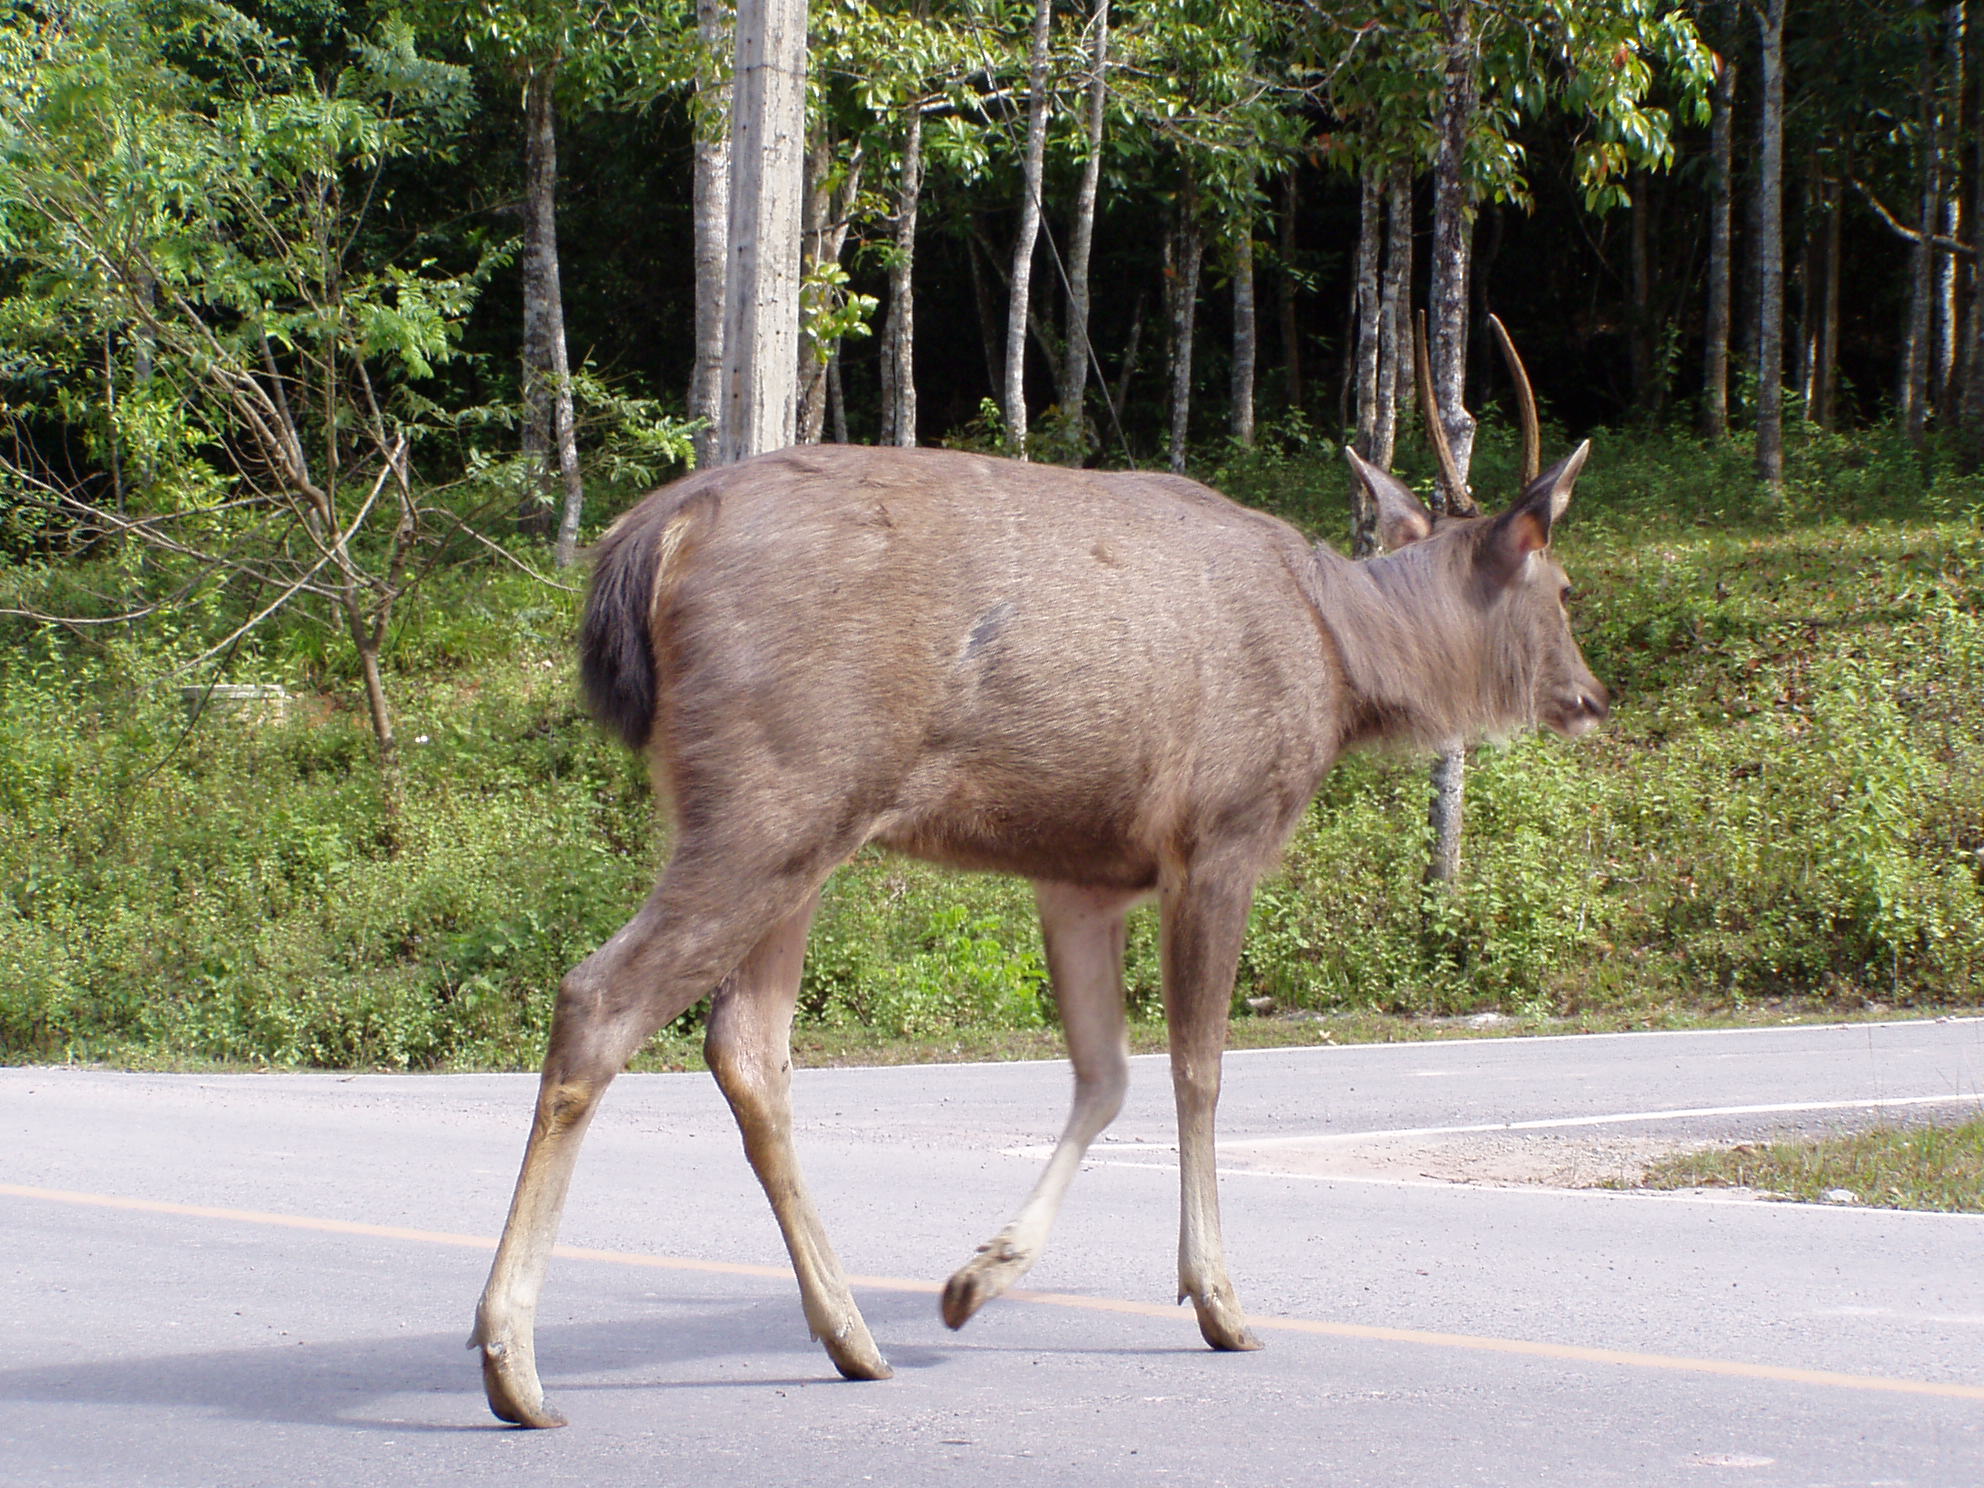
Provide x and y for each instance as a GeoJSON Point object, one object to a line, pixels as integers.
{"type": "Point", "coordinates": [1409, 642]}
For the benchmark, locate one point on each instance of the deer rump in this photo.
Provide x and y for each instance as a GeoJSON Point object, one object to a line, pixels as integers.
{"type": "Point", "coordinates": [1117, 685]}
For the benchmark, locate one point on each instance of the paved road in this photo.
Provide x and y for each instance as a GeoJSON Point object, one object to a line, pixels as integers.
{"type": "Point", "coordinates": [267, 1279]}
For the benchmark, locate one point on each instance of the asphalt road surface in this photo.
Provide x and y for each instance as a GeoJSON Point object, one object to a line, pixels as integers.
{"type": "Point", "coordinates": [210, 1281]}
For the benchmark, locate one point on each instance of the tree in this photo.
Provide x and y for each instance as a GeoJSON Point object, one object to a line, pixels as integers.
{"type": "Point", "coordinates": [214, 213]}
{"type": "Point", "coordinates": [761, 289]}
{"type": "Point", "coordinates": [531, 42]}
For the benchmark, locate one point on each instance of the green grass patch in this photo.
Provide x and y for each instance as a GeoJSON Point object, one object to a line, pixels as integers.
{"type": "Point", "coordinates": [1895, 1167]}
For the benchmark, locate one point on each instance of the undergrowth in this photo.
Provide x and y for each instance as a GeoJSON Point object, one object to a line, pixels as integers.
{"type": "Point", "coordinates": [1787, 804]}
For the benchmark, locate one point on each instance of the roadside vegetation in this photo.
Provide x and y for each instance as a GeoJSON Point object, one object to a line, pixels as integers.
{"type": "Point", "coordinates": [1891, 1167]}
{"type": "Point", "coordinates": [1784, 818]}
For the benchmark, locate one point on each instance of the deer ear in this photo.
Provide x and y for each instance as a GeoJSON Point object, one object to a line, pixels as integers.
{"type": "Point", "coordinates": [1525, 527]}
{"type": "Point", "coordinates": [1402, 517]}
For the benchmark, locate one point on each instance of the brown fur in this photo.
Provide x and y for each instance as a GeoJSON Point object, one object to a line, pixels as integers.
{"type": "Point", "coordinates": [1114, 684]}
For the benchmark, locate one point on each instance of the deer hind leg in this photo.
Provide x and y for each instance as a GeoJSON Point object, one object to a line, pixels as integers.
{"type": "Point", "coordinates": [709, 909]}
{"type": "Point", "coordinates": [750, 1052]}
{"type": "Point", "coordinates": [1205, 918]}
{"type": "Point", "coordinates": [1083, 929]}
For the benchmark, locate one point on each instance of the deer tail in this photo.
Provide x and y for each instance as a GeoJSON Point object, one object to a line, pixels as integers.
{"type": "Point", "coordinates": [618, 672]}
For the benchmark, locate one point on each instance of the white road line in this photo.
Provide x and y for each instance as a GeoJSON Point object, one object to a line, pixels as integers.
{"type": "Point", "coordinates": [1549, 1191]}
{"type": "Point", "coordinates": [1553, 1123]}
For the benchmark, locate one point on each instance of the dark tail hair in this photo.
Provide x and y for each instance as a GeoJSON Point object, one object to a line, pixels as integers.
{"type": "Point", "coordinates": [616, 642]}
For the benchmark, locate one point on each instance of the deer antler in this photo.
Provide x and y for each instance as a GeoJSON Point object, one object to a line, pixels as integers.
{"type": "Point", "coordinates": [1532, 435]}
{"type": "Point", "coordinates": [1453, 490]}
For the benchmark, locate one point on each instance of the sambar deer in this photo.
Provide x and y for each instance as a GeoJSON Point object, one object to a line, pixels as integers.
{"type": "Point", "coordinates": [1118, 685]}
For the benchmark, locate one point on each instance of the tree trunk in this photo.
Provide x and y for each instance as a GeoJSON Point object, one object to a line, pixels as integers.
{"type": "Point", "coordinates": [1970, 419]}
{"type": "Point", "coordinates": [815, 226]}
{"type": "Point", "coordinates": [1715, 354]}
{"type": "Point", "coordinates": [1073, 391]}
{"type": "Point", "coordinates": [899, 330]}
{"type": "Point", "coordinates": [1369, 301]}
{"type": "Point", "coordinates": [1649, 369]}
{"type": "Point", "coordinates": [1369, 335]}
{"type": "Point", "coordinates": [1825, 368]}
{"type": "Point", "coordinates": [1243, 334]}
{"type": "Point", "coordinates": [761, 288]}
{"type": "Point", "coordinates": [1020, 281]}
{"type": "Point", "coordinates": [549, 380]}
{"type": "Point", "coordinates": [836, 399]}
{"type": "Point", "coordinates": [1291, 326]}
{"type": "Point", "coordinates": [1949, 112]}
{"type": "Point", "coordinates": [1395, 381]}
{"type": "Point", "coordinates": [1770, 250]}
{"type": "Point", "coordinates": [1912, 386]}
{"type": "Point", "coordinates": [710, 196]}
{"type": "Point", "coordinates": [1186, 249]}
{"type": "Point", "coordinates": [1453, 245]}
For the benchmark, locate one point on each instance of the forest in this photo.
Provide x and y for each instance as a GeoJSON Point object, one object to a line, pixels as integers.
{"type": "Point", "coordinates": [330, 332]}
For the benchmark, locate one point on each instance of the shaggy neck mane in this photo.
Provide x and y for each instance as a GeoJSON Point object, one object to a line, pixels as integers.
{"type": "Point", "coordinates": [1414, 647]}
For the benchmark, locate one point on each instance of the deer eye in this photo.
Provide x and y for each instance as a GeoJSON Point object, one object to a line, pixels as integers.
{"type": "Point", "coordinates": [1565, 595]}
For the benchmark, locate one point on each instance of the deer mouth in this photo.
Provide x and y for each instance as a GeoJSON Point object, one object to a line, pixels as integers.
{"type": "Point", "coordinates": [1575, 713]}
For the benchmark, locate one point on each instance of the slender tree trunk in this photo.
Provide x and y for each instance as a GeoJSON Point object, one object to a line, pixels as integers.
{"type": "Point", "coordinates": [1770, 250]}
{"type": "Point", "coordinates": [761, 289]}
{"type": "Point", "coordinates": [1187, 250]}
{"type": "Point", "coordinates": [829, 209]}
{"type": "Point", "coordinates": [1970, 418]}
{"type": "Point", "coordinates": [1291, 319]}
{"type": "Point", "coordinates": [1396, 393]}
{"type": "Point", "coordinates": [710, 195]}
{"type": "Point", "coordinates": [1949, 174]}
{"type": "Point", "coordinates": [550, 380]}
{"type": "Point", "coordinates": [1073, 392]}
{"type": "Point", "coordinates": [1912, 387]}
{"type": "Point", "coordinates": [836, 399]}
{"type": "Point", "coordinates": [814, 227]}
{"type": "Point", "coordinates": [1722, 151]}
{"type": "Point", "coordinates": [1369, 302]}
{"type": "Point", "coordinates": [1453, 229]}
{"type": "Point", "coordinates": [1810, 294]}
{"type": "Point", "coordinates": [1452, 248]}
{"type": "Point", "coordinates": [899, 330]}
{"type": "Point", "coordinates": [1825, 371]}
{"type": "Point", "coordinates": [1020, 281]}
{"type": "Point", "coordinates": [1640, 331]}
{"type": "Point", "coordinates": [1244, 342]}
{"type": "Point", "coordinates": [1369, 335]}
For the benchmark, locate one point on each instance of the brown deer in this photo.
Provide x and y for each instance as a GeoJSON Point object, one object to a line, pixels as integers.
{"type": "Point", "coordinates": [1119, 685]}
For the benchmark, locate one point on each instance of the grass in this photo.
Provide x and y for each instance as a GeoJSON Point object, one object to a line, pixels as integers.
{"type": "Point", "coordinates": [1892, 1167]}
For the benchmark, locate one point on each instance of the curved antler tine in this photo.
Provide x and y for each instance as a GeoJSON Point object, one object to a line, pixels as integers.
{"type": "Point", "coordinates": [1532, 434]}
{"type": "Point", "coordinates": [1453, 490]}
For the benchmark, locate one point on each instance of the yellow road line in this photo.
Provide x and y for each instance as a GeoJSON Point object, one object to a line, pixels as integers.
{"type": "Point", "coordinates": [1530, 1348]}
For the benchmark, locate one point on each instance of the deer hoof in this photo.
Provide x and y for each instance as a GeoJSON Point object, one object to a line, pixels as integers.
{"type": "Point", "coordinates": [996, 1266]}
{"type": "Point", "coordinates": [514, 1393]}
{"type": "Point", "coordinates": [856, 1357]}
{"type": "Point", "coordinates": [1222, 1324]}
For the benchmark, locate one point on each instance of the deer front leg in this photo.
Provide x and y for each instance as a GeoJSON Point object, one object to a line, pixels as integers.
{"type": "Point", "coordinates": [1205, 917]}
{"type": "Point", "coordinates": [749, 1047]}
{"type": "Point", "coordinates": [1083, 931]}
